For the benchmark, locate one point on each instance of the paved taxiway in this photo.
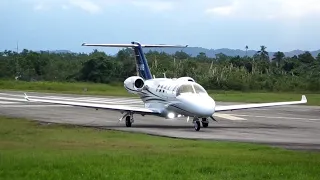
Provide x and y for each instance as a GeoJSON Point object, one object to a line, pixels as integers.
{"type": "Point", "coordinates": [294, 127]}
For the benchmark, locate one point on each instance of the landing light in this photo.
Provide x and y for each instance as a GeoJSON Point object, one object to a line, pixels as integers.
{"type": "Point", "coordinates": [171, 115]}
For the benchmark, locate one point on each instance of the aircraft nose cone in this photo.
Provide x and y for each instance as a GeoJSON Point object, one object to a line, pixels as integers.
{"type": "Point", "coordinates": [199, 105]}
{"type": "Point", "coordinates": [206, 106]}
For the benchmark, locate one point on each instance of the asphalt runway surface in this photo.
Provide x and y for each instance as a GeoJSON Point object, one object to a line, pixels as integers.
{"type": "Point", "coordinates": [292, 127]}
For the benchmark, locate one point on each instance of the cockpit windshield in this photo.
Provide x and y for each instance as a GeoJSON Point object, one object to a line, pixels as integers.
{"type": "Point", "coordinates": [186, 88]}
{"type": "Point", "coordinates": [198, 89]}
{"type": "Point", "coordinates": [190, 88]}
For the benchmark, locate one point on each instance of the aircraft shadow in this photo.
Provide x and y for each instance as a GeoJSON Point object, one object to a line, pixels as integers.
{"type": "Point", "coordinates": [138, 126]}
{"type": "Point", "coordinates": [178, 127]}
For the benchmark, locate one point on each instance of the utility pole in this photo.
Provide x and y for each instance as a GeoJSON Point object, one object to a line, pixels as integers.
{"type": "Point", "coordinates": [17, 62]}
{"type": "Point", "coordinates": [174, 67]}
{"type": "Point", "coordinates": [17, 46]}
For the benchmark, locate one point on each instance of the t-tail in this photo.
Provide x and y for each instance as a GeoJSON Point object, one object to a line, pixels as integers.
{"type": "Point", "coordinates": [141, 60]}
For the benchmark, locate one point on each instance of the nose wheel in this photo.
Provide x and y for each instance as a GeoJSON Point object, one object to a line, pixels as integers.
{"type": "Point", "coordinates": [205, 122]}
{"type": "Point", "coordinates": [196, 124]}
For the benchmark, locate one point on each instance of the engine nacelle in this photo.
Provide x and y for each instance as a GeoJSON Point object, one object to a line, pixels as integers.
{"type": "Point", "coordinates": [134, 84]}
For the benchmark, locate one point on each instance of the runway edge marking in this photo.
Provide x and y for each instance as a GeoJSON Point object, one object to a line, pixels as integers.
{"type": "Point", "coordinates": [229, 117]}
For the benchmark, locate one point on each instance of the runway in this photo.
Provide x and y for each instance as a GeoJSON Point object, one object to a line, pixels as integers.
{"type": "Point", "coordinates": [293, 127]}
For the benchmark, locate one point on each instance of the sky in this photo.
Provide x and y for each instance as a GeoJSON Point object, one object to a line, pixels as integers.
{"type": "Point", "coordinates": [283, 25]}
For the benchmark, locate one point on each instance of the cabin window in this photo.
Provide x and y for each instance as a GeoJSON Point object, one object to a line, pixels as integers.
{"type": "Point", "coordinates": [174, 89]}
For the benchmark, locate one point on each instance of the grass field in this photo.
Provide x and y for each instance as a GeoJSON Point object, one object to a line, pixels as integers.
{"type": "Point", "coordinates": [118, 90]}
{"type": "Point", "coordinates": [30, 150]}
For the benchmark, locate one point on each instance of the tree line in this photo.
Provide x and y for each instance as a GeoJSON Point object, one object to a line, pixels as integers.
{"type": "Point", "coordinates": [262, 72]}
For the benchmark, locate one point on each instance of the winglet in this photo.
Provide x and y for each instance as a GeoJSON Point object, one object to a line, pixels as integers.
{"type": "Point", "coordinates": [26, 97]}
{"type": "Point", "coordinates": [304, 99]}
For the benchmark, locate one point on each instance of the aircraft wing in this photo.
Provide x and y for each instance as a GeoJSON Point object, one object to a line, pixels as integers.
{"type": "Point", "coordinates": [259, 105]}
{"type": "Point", "coordinates": [136, 110]}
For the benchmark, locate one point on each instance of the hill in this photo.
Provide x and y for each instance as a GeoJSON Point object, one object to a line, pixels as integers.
{"type": "Point", "coordinates": [194, 51]}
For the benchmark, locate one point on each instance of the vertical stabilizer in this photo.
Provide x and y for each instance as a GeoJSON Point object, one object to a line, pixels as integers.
{"type": "Point", "coordinates": [142, 63]}
{"type": "Point", "coordinates": [141, 60]}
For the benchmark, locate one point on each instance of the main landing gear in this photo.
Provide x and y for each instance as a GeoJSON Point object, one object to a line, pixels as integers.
{"type": "Point", "coordinates": [205, 122]}
{"type": "Point", "coordinates": [129, 119]}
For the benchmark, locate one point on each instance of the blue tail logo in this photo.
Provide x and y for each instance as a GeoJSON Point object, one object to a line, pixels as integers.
{"type": "Point", "coordinates": [142, 64]}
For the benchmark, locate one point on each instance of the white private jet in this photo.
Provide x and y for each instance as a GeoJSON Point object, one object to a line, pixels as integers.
{"type": "Point", "coordinates": [165, 97]}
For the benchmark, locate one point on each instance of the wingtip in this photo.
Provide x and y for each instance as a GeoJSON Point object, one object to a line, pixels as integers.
{"type": "Point", "coordinates": [304, 98]}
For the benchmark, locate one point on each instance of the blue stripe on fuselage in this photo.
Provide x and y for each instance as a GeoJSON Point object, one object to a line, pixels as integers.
{"type": "Point", "coordinates": [142, 63]}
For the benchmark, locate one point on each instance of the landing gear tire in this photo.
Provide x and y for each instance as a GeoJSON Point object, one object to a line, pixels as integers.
{"type": "Point", "coordinates": [205, 122]}
{"type": "Point", "coordinates": [196, 125]}
{"type": "Point", "coordinates": [128, 121]}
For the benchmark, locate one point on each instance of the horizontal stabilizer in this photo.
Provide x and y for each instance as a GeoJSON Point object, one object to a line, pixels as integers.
{"type": "Point", "coordinates": [136, 45]}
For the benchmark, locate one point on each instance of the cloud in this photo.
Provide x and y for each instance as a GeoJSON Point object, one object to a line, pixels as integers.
{"type": "Point", "coordinates": [158, 6]}
{"type": "Point", "coordinates": [97, 6]}
{"type": "Point", "coordinates": [245, 9]}
{"type": "Point", "coordinates": [222, 10]}
{"type": "Point", "coordinates": [268, 9]}
{"type": "Point", "coordinates": [65, 7]}
{"type": "Point", "coordinates": [86, 5]}
{"type": "Point", "coordinates": [39, 7]}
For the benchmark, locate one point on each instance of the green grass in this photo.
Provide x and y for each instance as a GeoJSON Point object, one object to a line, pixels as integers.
{"type": "Point", "coordinates": [260, 97]}
{"type": "Point", "coordinates": [29, 150]}
{"type": "Point", "coordinates": [117, 89]}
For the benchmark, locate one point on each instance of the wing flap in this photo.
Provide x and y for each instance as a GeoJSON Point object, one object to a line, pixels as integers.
{"type": "Point", "coordinates": [259, 105]}
{"type": "Point", "coordinates": [96, 106]}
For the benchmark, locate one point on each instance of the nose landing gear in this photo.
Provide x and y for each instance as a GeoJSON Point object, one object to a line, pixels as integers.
{"type": "Point", "coordinates": [196, 124]}
{"type": "Point", "coordinates": [205, 122]}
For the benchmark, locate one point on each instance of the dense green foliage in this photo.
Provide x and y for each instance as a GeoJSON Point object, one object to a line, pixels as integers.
{"type": "Point", "coordinates": [29, 150]}
{"type": "Point", "coordinates": [117, 89]}
{"type": "Point", "coordinates": [262, 72]}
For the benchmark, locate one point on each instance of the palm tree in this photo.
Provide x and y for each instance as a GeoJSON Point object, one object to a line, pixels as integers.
{"type": "Point", "coordinates": [278, 56]}
{"type": "Point", "coordinates": [263, 53]}
{"type": "Point", "coordinates": [246, 50]}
